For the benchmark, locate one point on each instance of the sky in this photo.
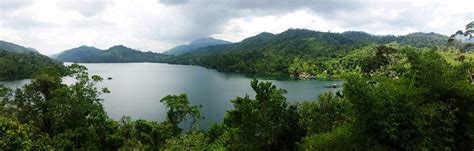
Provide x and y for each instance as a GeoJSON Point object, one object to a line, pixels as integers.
{"type": "Point", "coordinates": [52, 26]}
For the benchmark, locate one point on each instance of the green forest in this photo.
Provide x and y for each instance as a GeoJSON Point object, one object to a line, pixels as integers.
{"type": "Point", "coordinates": [276, 55]}
{"type": "Point", "coordinates": [16, 66]}
{"type": "Point", "coordinates": [395, 97]}
{"type": "Point", "coordinates": [237, 75]}
{"type": "Point", "coordinates": [114, 54]}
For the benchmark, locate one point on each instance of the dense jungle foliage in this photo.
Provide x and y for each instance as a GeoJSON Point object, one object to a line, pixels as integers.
{"type": "Point", "coordinates": [394, 98]}
{"type": "Point", "coordinates": [15, 66]}
{"type": "Point", "coordinates": [270, 55]}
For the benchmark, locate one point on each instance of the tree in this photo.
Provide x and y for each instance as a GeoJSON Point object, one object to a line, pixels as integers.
{"type": "Point", "coordinates": [179, 108]}
{"type": "Point", "coordinates": [470, 29]}
{"type": "Point", "coordinates": [191, 141]}
{"type": "Point", "coordinates": [383, 112]}
{"type": "Point", "coordinates": [143, 135]}
{"type": "Point", "coordinates": [324, 114]}
{"type": "Point", "coordinates": [266, 123]}
{"type": "Point", "coordinates": [71, 115]}
{"type": "Point", "coordinates": [430, 107]}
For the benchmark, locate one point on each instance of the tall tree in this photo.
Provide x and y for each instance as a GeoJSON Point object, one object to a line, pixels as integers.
{"type": "Point", "coordinates": [266, 123]}
{"type": "Point", "coordinates": [470, 28]}
{"type": "Point", "coordinates": [179, 109]}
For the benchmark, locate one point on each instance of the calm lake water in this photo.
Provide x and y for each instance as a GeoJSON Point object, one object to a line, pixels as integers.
{"type": "Point", "coordinates": [136, 89]}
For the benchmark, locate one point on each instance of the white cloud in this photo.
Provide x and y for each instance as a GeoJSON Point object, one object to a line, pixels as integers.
{"type": "Point", "coordinates": [55, 25]}
{"type": "Point", "coordinates": [86, 8]}
{"type": "Point", "coordinates": [239, 28]}
{"type": "Point", "coordinates": [14, 4]}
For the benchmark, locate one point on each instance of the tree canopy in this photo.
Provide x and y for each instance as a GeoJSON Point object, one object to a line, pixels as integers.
{"type": "Point", "coordinates": [395, 98]}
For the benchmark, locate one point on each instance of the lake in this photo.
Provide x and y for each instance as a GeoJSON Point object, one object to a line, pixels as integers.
{"type": "Point", "coordinates": [136, 89]}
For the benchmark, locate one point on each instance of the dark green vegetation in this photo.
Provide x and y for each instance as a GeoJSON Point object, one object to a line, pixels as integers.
{"type": "Point", "coordinates": [398, 95]}
{"type": "Point", "coordinates": [421, 103]}
{"type": "Point", "coordinates": [115, 54]}
{"type": "Point", "coordinates": [264, 54]}
{"type": "Point", "coordinates": [18, 62]}
{"type": "Point", "coordinates": [195, 44]}
{"type": "Point", "coordinates": [269, 54]}
{"type": "Point", "coordinates": [11, 47]}
{"type": "Point", "coordinates": [82, 53]}
{"type": "Point", "coordinates": [49, 114]}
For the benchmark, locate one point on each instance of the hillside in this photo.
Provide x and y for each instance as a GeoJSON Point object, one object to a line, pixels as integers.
{"type": "Point", "coordinates": [79, 54]}
{"type": "Point", "coordinates": [11, 47]}
{"type": "Point", "coordinates": [196, 44]}
{"type": "Point", "coordinates": [263, 54]}
{"type": "Point", "coordinates": [18, 62]}
{"type": "Point", "coordinates": [423, 39]}
{"type": "Point", "coordinates": [114, 54]}
{"type": "Point", "coordinates": [270, 54]}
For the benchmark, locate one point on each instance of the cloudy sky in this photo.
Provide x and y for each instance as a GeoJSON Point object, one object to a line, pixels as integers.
{"type": "Point", "coordinates": [157, 25]}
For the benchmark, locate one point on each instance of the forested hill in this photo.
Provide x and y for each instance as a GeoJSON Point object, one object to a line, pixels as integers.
{"type": "Point", "coordinates": [265, 53]}
{"type": "Point", "coordinates": [78, 54]}
{"type": "Point", "coordinates": [18, 62]}
{"type": "Point", "coordinates": [271, 54]}
{"type": "Point", "coordinates": [11, 47]}
{"type": "Point", "coordinates": [195, 44]}
{"type": "Point", "coordinates": [349, 38]}
{"type": "Point", "coordinates": [424, 103]}
{"type": "Point", "coordinates": [119, 53]}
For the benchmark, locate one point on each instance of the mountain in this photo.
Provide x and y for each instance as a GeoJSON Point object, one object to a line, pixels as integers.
{"type": "Point", "coordinates": [119, 53]}
{"type": "Point", "coordinates": [11, 47]}
{"type": "Point", "coordinates": [347, 39]}
{"type": "Point", "coordinates": [78, 54]}
{"type": "Point", "coordinates": [271, 54]}
{"type": "Point", "coordinates": [253, 42]}
{"type": "Point", "coordinates": [265, 53]}
{"type": "Point", "coordinates": [18, 62]}
{"type": "Point", "coordinates": [203, 42]}
{"type": "Point", "coordinates": [419, 39]}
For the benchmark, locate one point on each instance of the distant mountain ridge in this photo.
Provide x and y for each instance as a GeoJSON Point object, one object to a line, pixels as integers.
{"type": "Point", "coordinates": [11, 47]}
{"type": "Point", "coordinates": [198, 43]}
{"type": "Point", "coordinates": [115, 54]}
{"type": "Point", "coordinates": [271, 54]}
{"type": "Point", "coordinates": [78, 54]}
{"type": "Point", "coordinates": [292, 43]}
{"type": "Point", "coordinates": [417, 39]}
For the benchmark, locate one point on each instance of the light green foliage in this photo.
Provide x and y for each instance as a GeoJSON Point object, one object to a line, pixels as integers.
{"type": "Point", "coordinates": [340, 139]}
{"type": "Point", "coordinates": [191, 141]}
{"type": "Point", "coordinates": [17, 136]}
{"type": "Point", "coordinates": [455, 57]}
